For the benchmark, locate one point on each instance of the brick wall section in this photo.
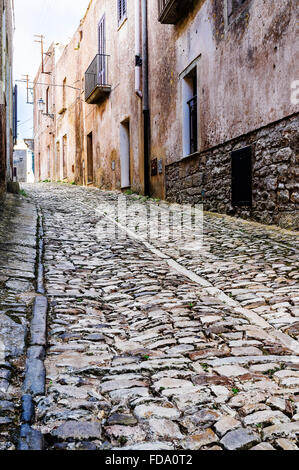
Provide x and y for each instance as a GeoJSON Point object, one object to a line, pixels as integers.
{"type": "Point", "coordinates": [206, 177]}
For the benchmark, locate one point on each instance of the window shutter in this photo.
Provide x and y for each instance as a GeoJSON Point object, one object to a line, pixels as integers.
{"type": "Point", "coordinates": [121, 9]}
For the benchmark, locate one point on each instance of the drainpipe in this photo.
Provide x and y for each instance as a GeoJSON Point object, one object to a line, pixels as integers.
{"type": "Point", "coordinates": [145, 94]}
{"type": "Point", "coordinates": [138, 60]}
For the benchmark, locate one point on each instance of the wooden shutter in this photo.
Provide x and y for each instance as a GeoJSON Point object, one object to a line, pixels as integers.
{"type": "Point", "coordinates": [121, 9]}
{"type": "Point", "coordinates": [124, 8]}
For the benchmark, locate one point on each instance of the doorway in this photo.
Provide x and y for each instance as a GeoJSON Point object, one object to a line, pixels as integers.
{"type": "Point", "coordinates": [49, 162]}
{"type": "Point", "coordinates": [125, 154]}
{"type": "Point", "coordinates": [190, 120]}
{"type": "Point", "coordinates": [89, 159]}
{"type": "Point", "coordinates": [242, 177]}
{"type": "Point", "coordinates": [64, 157]}
{"type": "Point", "coordinates": [57, 162]}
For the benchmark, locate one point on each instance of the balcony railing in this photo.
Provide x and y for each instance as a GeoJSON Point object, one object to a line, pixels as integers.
{"type": "Point", "coordinates": [171, 11]}
{"type": "Point", "coordinates": [97, 86]}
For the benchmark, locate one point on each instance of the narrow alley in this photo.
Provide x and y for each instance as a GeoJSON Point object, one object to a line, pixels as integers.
{"type": "Point", "coordinates": [150, 344]}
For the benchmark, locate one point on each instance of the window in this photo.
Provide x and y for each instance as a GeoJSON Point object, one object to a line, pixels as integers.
{"type": "Point", "coordinates": [233, 8]}
{"type": "Point", "coordinates": [242, 177]}
{"type": "Point", "coordinates": [190, 132]}
{"type": "Point", "coordinates": [121, 11]}
{"type": "Point", "coordinates": [64, 156]}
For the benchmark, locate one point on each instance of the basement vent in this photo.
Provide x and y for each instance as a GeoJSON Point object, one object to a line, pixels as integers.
{"type": "Point", "coordinates": [242, 177]}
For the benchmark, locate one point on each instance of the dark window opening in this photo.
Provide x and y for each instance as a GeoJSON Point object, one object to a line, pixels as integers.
{"type": "Point", "coordinates": [242, 177]}
{"type": "Point", "coordinates": [192, 104]}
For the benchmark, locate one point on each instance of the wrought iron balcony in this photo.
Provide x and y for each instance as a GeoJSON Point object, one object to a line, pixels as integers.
{"type": "Point", "coordinates": [97, 87]}
{"type": "Point", "coordinates": [171, 11]}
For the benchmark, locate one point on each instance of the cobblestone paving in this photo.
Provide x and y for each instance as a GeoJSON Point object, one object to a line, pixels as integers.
{"type": "Point", "coordinates": [17, 275]}
{"type": "Point", "coordinates": [146, 354]}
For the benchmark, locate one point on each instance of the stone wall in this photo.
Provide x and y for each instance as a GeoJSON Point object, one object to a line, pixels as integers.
{"type": "Point", "coordinates": [206, 177]}
{"type": "Point", "coordinates": [2, 153]}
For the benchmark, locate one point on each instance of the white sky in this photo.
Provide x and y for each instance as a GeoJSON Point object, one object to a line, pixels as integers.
{"type": "Point", "coordinates": [57, 20]}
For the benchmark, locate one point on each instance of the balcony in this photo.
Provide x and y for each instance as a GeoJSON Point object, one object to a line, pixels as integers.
{"type": "Point", "coordinates": [97, 87]}
{"type": "Point", "coordinates": [171, 11]}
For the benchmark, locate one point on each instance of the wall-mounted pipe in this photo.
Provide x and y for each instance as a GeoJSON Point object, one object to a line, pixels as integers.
{"type": "Point", "coordinates": [138, 60]}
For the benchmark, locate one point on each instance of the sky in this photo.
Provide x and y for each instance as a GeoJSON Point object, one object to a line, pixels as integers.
{"type": "Point", "coordinates": [57, 20]}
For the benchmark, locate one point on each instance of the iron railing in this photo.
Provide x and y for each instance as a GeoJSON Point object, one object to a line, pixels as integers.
{"type": "Point", "coordinates": [97, 74]}
{"type": "Point", "coordinates": [193, 124]}
{"type": "Point", "coordinates": [165, 7]}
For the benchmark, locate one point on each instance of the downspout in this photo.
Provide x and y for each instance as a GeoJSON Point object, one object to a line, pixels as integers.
{"type": "Point", "coordinates": [138, 59]}
{"type": "Point", "coordinates": [145, 94]}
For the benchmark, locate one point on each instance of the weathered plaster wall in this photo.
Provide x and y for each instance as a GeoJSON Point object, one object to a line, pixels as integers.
{"type": "Point", "coordinates": [104, 120]}
{"type": "Point", "coordinates": [245, 71]}
{"type": "Point", "coordinates": [66, 115]}
{"type": "Point", "coordinates": [6, 94]}
{"type": "Point", "coordinates": [44, 126]}
{"type": "Point", "coordinates": [79, 119]}
{"type": "Point", "coordinates": [2, 153]}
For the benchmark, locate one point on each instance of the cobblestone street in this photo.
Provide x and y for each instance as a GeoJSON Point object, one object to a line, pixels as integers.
{"type": "Point", "coordinates": [150, 344]}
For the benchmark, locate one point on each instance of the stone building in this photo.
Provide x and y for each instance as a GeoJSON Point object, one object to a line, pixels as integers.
{"type": "Point", "coordinates": [45, 120]}
{"type": "Point", "coordinates": [190, 101]}
{"type": "Point", "coordinates": [8, 96]}
{"type": "Point", "coordinates": [237, 144]}
{"type": "Point", "coordinates": [97, 113]}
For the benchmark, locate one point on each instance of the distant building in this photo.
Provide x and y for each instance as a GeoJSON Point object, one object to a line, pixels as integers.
{"type": "Point", "coordinates": [185, 100]}
{"type": "Point", "coordinates": [8, 97]}
{"type": "Point", "coordinates": [23, 161]}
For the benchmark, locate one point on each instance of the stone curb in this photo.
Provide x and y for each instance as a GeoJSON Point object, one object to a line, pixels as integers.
{"type": "Point", "coordinates": [35, 372]}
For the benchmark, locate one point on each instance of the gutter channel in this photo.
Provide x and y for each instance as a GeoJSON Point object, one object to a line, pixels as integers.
{"type": "Point", "coordinates": [35, 373]}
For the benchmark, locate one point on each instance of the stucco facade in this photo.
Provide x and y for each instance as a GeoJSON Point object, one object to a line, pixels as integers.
{"type": "Point", "coordinates": [220, 80]}
{"type": "Point", "coordinates": [7, 115]}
